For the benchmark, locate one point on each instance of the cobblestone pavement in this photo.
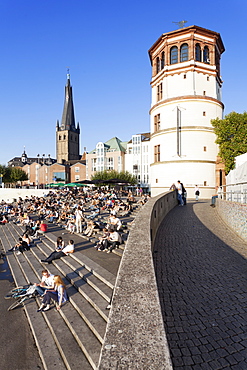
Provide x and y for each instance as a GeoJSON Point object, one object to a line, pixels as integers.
{"type": "Point", "coordinates": [201, 275]}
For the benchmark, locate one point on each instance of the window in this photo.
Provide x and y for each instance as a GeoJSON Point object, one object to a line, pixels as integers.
{"type": "Point", "coordinates": [156, 180]}
{"type": "Point", "coordinates": [185, 76]}
{"type": "Point", "coordinates": [206, 55]}
{"type": "Point", "coordinates": [157, 65]}
{"type": "Point", "coordinates": [94, 164]}
{"type": "Point", "coordinates": [204, 113]}
{"type": "Point", "coordinates": [207, 78]}
{"type": "Point", "coordinates": [173, 55]}
{"type": "Point", "coordinates": [204, 148]}
{"type": "Point", "coordinates": [58, 176]}
{"type": "Point", "coordinates": [162, 63]}
{"type": "Point", "coordinates": [205, 183]}
{"type": "Point", "coordinates": [159, 92]}
{"type": "Point", "coordinates": [184, 55]}
{"type": "Point", "coordinates": [77, 177]}
{"type": "Point", "coordinates": [109, 163]}
{"type": "Point", "coordinates": [157, 153]}
{"type": "Point", "coordinates": [198, 53]}
{"type": "Point", "coordinates": [157, 122]}
{"type": "Point", "coordinates": [204, 93]}
{"type": "Point", "coordinates": [77, 169]}
{"type": "Point", "coordinates": [64, 137]}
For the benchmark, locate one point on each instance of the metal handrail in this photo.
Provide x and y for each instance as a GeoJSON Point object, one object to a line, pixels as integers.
{"type": "Point", "coordinates": [234, 196]}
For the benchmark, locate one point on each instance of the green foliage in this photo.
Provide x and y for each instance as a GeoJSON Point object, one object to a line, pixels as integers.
{"type": "Point", "coordinates": [112, 174]}
{"type": "Point", "coordinates": [231, 136]}
{"type": "Point", "coordinates": [12, 174]}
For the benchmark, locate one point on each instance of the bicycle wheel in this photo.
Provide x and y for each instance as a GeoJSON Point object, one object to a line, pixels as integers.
{"type": "Point", "coordinates": [16, 291]}
{"type": "Point", "coordinates": [15, 304]}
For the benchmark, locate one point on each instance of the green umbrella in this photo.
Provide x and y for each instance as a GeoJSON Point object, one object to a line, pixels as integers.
{"type": "Point", "coordinates": [53, 185]}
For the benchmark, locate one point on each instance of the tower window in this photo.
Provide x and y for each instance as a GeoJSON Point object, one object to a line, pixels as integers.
{"type": "Point", "coordinates": [198, 53]}
{"type": "Point", "coordinates": [156, 180]}
{"type": "Point", "coordinates": [184, 55]}
{"type": "Point", "coordinates": [204, 148]}
{"type": "Point", "coordinates": [157, 65]}
{"type": "Point", "coordinates": [59, 138]}
{"type": "Point", "coordinates": [185, 76]}
{"type": "Point", "coordinates": [204, 93]}
{"type": "Point", "coordinates": [64, 137]}
{"type": "Point", "coordinates": [157, 122]}
{"type": "Point", "coordinates": [162, 64]}
{"type": "Point", "coordinates": [159, 91]}
{"type": "Point", "coordinates": [206, 55]}
{"type": "Point", "coordinates": [204, 113]}
{"type": "Point", "coordinates": [205, 183]}
{"type": "Point", "coordinates": [157, 153]}
{"type": "Point", "coordinates": [207, 78]}
{"type": "Point", "coordinates": [173, 55]}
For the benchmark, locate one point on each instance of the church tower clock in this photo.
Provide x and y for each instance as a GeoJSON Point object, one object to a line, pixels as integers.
{"type": "Point", "coordinates": [68, 134]}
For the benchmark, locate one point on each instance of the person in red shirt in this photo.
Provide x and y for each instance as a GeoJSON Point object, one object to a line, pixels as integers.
{"type": "Point", "coordinates": [42, 229]}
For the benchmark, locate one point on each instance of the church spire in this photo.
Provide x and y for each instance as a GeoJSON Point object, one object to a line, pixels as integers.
{"type": "Point", "coordinates": [68, 117]}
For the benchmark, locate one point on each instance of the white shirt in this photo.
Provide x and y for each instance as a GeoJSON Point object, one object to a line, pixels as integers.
{"type": "Point", "coordinates": [48, 281]}
{"type": "Point", "coordinates": [68, 249]}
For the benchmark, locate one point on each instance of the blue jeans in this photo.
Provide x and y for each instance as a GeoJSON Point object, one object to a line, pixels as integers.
{"type": "Point", "coordinates": [180, 199]}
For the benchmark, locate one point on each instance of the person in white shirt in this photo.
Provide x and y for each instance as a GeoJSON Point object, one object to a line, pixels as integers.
{"type": "Point", "coordinates": [64, 252]}
{"type": "Point", "coordinates": [180, 192]}
{"type": "Point", "coordinates": [47, 282]}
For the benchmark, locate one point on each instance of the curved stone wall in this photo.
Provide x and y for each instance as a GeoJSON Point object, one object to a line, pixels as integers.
{"type": "Point", "coordinates": [234, 215]}
{"type": "Point", "coordinates": [135, 336]}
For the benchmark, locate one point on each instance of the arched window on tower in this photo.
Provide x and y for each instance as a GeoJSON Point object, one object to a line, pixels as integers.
{"type": "Point", "coordinates": [206, 55]}
{"type": "Point", "coordinates": [184, 53]}
{"type": "Point", "coordinates": [173, 55]}
{"type": "Point", "coordinates": [157, 65]}
{"type": "Point", "coordinates": [198, 53]}
{"type": "Point", "coordinates": [162, 62]}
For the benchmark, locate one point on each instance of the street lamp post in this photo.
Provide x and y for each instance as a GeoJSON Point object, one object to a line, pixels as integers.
{"type": "Point", "coordinates": [38, 172]}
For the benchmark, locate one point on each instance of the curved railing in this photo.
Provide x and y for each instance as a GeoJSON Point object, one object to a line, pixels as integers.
{"type": "Point", "coordinates": [135, 336]}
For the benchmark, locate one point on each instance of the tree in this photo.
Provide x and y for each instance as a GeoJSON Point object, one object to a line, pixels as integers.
{"type": "Point", "coordinates": [12, 174]}
{"type": "Point", "coordinates": [112, 174]}
{"type": "Point", "coordinates": [231, 136]}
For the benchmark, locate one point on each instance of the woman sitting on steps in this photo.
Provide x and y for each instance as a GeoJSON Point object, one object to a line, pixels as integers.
{"type": "Point", "coordinates": [58, 294]}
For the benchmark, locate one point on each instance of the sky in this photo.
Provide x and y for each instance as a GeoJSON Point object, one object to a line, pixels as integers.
{"type": "Point", "coordinates": [105, 46]}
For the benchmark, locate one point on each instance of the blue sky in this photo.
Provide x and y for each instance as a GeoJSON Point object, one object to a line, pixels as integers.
{"type": "Point", "coordinates": [105, 44]}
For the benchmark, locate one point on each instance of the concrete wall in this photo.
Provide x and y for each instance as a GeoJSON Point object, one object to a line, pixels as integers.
{"type": "Point", "coordinates": [135, 336]}
{"type": "Point", "coordinates": [8, 195]}
{"type": "Point", "coordinates": [235, 216]}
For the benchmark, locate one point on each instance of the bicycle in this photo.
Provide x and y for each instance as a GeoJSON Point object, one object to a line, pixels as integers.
{"type": "Point", "coordinates": [21, 294]}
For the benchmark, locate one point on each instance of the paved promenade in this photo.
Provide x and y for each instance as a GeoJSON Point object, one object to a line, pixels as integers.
{"type": "Point", "coordinates": [202, 280]}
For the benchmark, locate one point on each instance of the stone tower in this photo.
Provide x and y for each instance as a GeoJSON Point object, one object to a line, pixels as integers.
{"type": "Point", "coordinates": [186, 94]}
{"type": "Point", "coordinates": [68, 134]}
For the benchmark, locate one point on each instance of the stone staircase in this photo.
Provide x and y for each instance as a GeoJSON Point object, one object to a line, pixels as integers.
{"type": "Point", "coordinates": [71, 338]}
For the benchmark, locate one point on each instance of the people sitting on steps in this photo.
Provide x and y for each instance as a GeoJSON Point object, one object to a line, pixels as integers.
{"type": "Point", "coordinates": [113, 240]}
{"type": "Point", "coordinates": [58, 254]}
{"type": "Point", "coordinates": [47, 282]}
{"type": "Point", "coordinates": [58, 294]}
{"type": "Point", "coordinates": [20, 247]}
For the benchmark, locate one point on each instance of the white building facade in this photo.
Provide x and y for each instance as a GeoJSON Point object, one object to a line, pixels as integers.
{"type": "Point", "coordinates": [137, 159]}
{"type": "Point", "coordinates": [186, 96]}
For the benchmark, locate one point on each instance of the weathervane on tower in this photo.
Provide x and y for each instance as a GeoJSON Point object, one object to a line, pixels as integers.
{"type": "Point", "coordinates": [180, 24]}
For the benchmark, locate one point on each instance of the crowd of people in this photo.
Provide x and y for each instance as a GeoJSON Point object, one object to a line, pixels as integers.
{"type": "Point", "coordinates": [78, 211]}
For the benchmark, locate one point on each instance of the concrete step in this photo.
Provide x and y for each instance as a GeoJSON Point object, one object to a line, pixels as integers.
{"type": "Point", "coordinates": [82, 342]}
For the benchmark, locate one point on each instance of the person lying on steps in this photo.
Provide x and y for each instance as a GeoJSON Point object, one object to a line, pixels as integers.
{"type": "Point", "coordinates": [58, 254]}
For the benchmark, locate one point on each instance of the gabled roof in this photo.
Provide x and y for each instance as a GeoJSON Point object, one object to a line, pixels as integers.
{"type": "Point", "coordinates": [114, 144]}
